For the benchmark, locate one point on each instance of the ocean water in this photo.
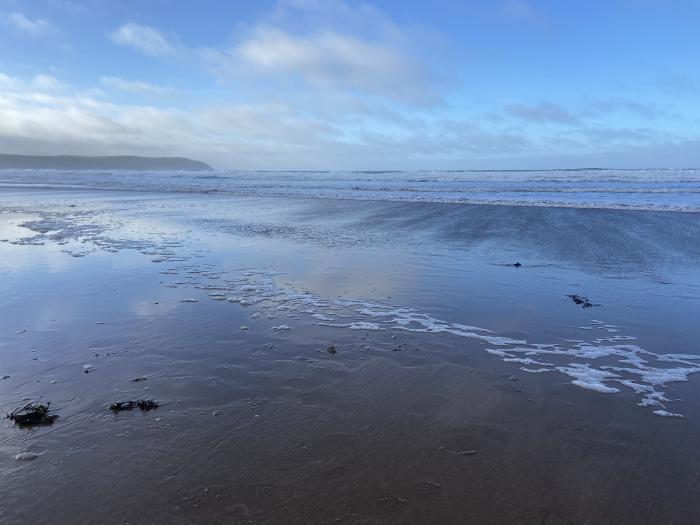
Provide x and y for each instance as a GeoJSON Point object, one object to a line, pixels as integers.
{"type": "Point", "coordinates": [653, 189]}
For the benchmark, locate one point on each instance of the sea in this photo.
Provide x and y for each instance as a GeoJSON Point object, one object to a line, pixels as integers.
{"type": "Point", "coordinates": [675, 190]}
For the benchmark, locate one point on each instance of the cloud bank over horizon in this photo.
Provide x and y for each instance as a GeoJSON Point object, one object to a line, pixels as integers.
{"type": "Point", "coordinates": [329, 84]}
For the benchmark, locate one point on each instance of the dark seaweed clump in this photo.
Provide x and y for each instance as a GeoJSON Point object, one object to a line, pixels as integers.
{"type": "Point", "coordinates": [143, 404]}
{"type": "Point", "coordinates": [32, 414]}
{"type": "Point", "coordinates": [580, 299]}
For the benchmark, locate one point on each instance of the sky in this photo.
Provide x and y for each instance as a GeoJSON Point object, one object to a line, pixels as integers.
{"type": "Point", "coordinates": [334, 84]}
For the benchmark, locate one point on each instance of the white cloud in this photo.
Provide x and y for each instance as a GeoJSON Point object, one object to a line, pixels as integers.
{"type": "Point", "coordinates": [8, 83]}
{"type": "Point", "coordinates": [144, 39]}
{"type": "Point", "coordinates": [328, 59]}
{"type": "Point", "coordinates": [37, 27]}
{"type": "Point", "coordinates": [34, 120]}
{"type": "Point", "coordinates": [326, 47]}
{"type": "Point", "coordinates": [135, 86]}
{"type": "Point", "coordinates": [326, 84]}
{"type": "Point", "coordinates": [329, 47]}
{"type": "Point", "coordinates": [43, 116]}
{"type": "Point", "coordinates": [267, 135]}
{"type": "Point", "coordinates": [47, 83]}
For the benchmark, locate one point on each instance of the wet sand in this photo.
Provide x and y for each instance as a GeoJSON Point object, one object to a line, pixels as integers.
{"type": "Point", "coordinates": [261, 424]}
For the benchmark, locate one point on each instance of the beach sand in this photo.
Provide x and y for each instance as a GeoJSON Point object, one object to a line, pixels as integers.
{"type": "Point", "coordinates": [225, 308]}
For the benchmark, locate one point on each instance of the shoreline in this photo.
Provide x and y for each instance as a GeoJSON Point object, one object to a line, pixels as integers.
{"type": "Point", "coordinates": [542, 204]}
{"type": "Point", "coordinates": [654, 190]}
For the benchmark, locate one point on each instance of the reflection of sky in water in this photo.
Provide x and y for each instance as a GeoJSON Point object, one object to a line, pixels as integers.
{"type": "Point", "coordinates": [10, 228]}
{"type": "Point", "coordinates": [449, 262]}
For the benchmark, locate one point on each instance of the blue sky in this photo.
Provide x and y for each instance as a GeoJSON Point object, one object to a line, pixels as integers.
{"type": "Point", "coordinates": [315, 84]}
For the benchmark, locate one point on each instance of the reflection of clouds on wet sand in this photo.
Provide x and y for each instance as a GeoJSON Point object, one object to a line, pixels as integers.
{"type": "Point", "coordinates": [330, 273]}
{"type": "Point", "coordinates": [16, 259]}
{"type": "Point", "coordinates": [152, 308]}
{"type": "Point", "coordinates": [307, 273]}
{"type": "Point", "coordinates": [11, 229]}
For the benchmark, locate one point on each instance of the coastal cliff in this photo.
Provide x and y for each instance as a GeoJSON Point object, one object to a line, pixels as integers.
{"type": "Point", "coordinates": [122, 162]}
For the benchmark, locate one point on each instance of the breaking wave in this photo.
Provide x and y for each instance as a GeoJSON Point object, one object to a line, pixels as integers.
{"type": "Point", "coordinates": [653, 189]}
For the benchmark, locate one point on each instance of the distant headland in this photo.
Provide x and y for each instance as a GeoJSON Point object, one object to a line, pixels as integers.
{"type": "Point", "coordinates": [120, 162]}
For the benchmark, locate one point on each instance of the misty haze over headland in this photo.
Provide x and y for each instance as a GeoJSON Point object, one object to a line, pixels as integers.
{"type": "Point", "coordinates": [120, 162]}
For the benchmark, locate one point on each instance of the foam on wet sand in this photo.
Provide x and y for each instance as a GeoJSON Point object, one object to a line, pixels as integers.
{"type": "Point", "coordinates": [643, 372]}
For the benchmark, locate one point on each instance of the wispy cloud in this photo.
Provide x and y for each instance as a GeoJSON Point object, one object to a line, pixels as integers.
{"type": "Point", "coordinates": [8, 83]}
{"type": "Point", "coordinates": [34, 27]}
{"type": "Point", "coordinates": [41, 115]}
{"type": "Point", "coordinates": [603, 107]}
{"type": "Point", "coordinates": [676, 83]}
{"type": "Point", "coordinates": [324, 46]}
{"type": "Point", "coordinates": [624, 136]}
{"type": "Point", "coordinates": [34, 118]}
{"type": "Point", "coordinates": [542, 113]}
{"type": "Point", "coordinates": [325, 60]}
{"type": "Point", "coordinates": [144, 39]}
{"type": "Point", "coordinates": [547, 112]}
{"type": "Point", "coordinates": [135, 86]}
{"type": "Point", "coordinates": [47, 83]}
